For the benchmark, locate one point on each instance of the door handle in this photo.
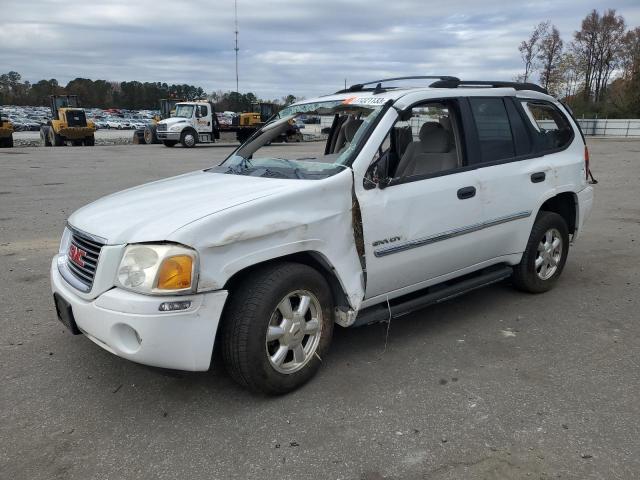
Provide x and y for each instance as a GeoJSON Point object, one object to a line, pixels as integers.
{"type": "Point", "coordinates": [538, 177]}
{"type": "Point", "coordinates": [466, 192]}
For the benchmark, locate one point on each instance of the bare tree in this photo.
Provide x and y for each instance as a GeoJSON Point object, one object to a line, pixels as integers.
{"type": "Point", "coordinates": [569, 73]}
{"type": "Point", "coordinates": [530, 48]}
{"type": "Point", "coordinates": [598, 45]}
{"type": "Point", "coordinates": [549, 56]}
{"type": "Point", "coordinates": [631, 54]}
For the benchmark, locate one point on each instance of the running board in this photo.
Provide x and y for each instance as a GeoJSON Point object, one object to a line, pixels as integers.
{"type": "Point", "coordinates": [435, 294]}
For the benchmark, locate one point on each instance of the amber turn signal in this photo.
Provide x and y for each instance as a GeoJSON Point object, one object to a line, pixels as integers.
{"type": "Point", "coordinates": [175, 273]}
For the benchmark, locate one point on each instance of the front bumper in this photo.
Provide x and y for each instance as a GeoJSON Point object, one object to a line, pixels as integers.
{"type": "Point", "coordinates": [168, 135]}
{"type": "Point", "coordinates": [131, 326]}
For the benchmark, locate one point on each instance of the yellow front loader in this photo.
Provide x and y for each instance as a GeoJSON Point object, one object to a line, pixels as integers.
{"type": "Point", "coordinates": [68, 124]}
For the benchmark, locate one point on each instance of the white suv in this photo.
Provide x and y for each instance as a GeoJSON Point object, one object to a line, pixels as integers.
{"type": "Point", "coordinates": [414, 196]}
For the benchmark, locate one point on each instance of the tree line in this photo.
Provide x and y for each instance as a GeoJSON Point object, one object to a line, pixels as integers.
{"type": "Point", "coordinates": [130, 95]}
{"type": "Point", "coordinates": [597, 72]}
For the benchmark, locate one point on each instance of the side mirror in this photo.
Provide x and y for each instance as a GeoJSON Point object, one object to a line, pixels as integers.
{"type": "Point", "coordinates": [375, 178]}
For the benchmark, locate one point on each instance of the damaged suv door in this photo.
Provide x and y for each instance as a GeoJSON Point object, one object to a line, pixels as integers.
{"type": "Point", "coordinates": [417, 200]}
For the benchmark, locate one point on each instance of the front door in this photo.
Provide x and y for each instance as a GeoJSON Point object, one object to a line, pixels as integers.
{"type": "Point", "coordinates": [424, 222]}
{"type": "Point", "coordinates": [203, 119]}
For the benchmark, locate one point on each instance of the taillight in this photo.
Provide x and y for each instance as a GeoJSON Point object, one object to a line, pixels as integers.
{"type": "Point", "coordinates": [586, 162]}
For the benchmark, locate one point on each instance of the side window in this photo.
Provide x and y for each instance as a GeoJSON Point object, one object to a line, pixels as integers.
{"type": "Point", "coordinates": [552, 129]}
{"type": "Point", "coordinates": [201, 111]}
{"type": "Point", "coordinates": [425, 141]}
{"type": "Point", "coordinates": [494, 129]}
{"type": "Point", "coordinates": [521, 133]}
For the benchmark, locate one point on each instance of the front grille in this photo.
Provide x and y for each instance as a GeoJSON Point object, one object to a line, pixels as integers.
{"type": "Point", "coordinates": [82, 258]}
{"type": "Point", "coordinates": [162, 127]}
{"type": "Point", "coordinates": [76, 118]}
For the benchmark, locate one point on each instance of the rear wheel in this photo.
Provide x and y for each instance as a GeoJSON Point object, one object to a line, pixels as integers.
{"type": "Point", "coordinates": [277, 328]}
{"type": "Point", "coordinates": [89, 141]}
{"type": "Point", "coordinates": [188, 139]}
{"type": "Point", "coordinates": [169, 143]}
{"type": "Point", "coordinates": [545, 255]}
{"type": "Point", "coordinates": [243, 136]}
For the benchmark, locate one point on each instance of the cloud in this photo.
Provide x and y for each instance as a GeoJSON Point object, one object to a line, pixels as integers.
{"type": "Point", "coordinates": [305, 47]}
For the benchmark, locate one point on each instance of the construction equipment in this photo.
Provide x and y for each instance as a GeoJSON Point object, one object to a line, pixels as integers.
{"type": "Point", "coordinates": [68, 124]}
{"type": "Point", "coordinates": [6, 132]}
{"type": "Point", "coordinates": [148, 134]}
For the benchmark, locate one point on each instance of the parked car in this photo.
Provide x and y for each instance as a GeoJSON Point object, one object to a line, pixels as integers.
{"type": "Point", "coordinates": [417, 195]}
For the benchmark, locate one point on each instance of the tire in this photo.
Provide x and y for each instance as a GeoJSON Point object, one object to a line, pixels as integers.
{"type": "Point", "coordinates": [55, 139]}
{"type": "Point", "coordinates": [255, 308]}
{"type": "Point", "coordinates": [169, 143]}
{"type": "Point", "coordinates": [189, 138]}
{"type": "Point", "coordinates": [89, 141]}
{"type": "Point", "coordinates": [45, 136]}
{"type": "Point", "coordinates": [545, 256]}
{"type": "Point", "coordinates": [242, 136]}
{"type": "Point", "coordinates": [149, 135]}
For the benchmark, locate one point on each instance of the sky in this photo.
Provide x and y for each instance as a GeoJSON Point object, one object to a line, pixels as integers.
{"type": "Point", "coordinates": [303, 47]}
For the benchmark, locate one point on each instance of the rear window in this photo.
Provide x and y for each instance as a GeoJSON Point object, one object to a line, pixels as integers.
{"type": "Point", "coordinates": [552, 130]}
{"type": "Point", "coordinates": [494, 129]}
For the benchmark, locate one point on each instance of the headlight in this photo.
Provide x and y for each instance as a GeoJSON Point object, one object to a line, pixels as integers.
{"type": "Point", "coordinates": [158, 269]}
{"type": "Point", "coordinates": [65, 242]}
{"type": "Point", "coordinates": [63, 250]}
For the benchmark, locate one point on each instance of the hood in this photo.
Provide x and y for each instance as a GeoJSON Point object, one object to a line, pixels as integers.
{"type": "Point", "coordinates": [174, 120]}
{"type": "Point", "coordinates": [152, 212]}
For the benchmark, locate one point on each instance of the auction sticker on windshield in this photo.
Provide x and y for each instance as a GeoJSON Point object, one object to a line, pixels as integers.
{"type": "Point", "coordinates": [364, 101]}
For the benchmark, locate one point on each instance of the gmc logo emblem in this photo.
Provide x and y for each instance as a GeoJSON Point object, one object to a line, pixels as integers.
{"type": "Point", "coordinates": [76, 255]}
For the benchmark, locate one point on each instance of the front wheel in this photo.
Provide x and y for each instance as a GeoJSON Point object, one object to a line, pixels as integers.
{"type": "Point", "coordinates": [545, 255]}
{"type": "Point", "coordinates": [277, 328]}
{"type": "Point", "coordinates": [55, 139]}
{"type": "Point", "coordinates": [90, 141]}
{"type": "Point", "coordinates": [45, 136]}
{"type": "Point", "coordinates": [188, 139]}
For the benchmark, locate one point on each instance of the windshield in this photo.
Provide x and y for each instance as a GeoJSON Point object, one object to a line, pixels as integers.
{"type": "Point", "coordinates": [306, 141]}
{"type": "Point", "coordinates": [184, 111]}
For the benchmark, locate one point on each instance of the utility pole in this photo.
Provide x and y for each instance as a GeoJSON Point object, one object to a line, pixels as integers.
{"type": "Point", "coordinates": [236, 49]}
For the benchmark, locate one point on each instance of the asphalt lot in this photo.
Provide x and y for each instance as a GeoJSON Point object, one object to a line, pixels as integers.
{"type": "Point", "coordinates": [496, 384]}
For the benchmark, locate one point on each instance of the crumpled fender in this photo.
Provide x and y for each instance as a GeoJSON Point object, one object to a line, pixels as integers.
{"type": "Point", "coordinates": [311, 216]}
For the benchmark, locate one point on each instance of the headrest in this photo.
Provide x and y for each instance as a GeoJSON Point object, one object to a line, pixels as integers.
{"type": "Point", "coordinates": [435, 141]}
{"type": "Point", "coordinates": [427, 128]}
{"type": "Point", "coordinates": [350, 129]}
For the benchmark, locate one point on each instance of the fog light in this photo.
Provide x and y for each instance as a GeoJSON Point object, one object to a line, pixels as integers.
{"type": "Point", "coordinates": [175, 306]}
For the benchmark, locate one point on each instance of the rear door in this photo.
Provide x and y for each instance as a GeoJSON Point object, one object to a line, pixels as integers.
{"type": "Point", "coordinates": [514, 170]}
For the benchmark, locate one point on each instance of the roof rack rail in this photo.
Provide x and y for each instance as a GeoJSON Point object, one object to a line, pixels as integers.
{"type": "Point", "coordinates": [490, 84]}
{"type": "Point", "coordinates": [359, 87]}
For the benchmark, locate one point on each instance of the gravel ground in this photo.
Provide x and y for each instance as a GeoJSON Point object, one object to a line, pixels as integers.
{"type": "Point", "coordinates": [495, 384]}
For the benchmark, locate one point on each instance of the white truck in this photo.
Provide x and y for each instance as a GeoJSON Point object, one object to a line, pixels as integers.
{"type": "Point", "coordinates": [192, 123]}
{"type": "Point", "coordinates": [417, 195]}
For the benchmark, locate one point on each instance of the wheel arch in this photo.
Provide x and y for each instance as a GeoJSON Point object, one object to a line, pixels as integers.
{"type": "Point", "coordinates": [313, 259]}
{"type": "Point", "coordinates": [564, 204]}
